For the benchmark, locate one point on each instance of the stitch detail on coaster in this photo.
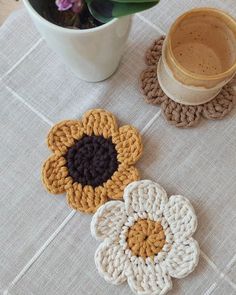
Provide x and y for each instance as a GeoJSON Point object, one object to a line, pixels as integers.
{"type": "Point", "coordinates": [147, 239]}
{"type": "Point", "coordinates": [93, 159]}
{"type": "Point", "coordinates": [150, 87]}
{"type": "Point", "coordinates": [153, 53]}
{"type": "Point", "coordinates": [177, 114]}
{"type": "Point", "coordinates": [220, 106]}
{"type": "Point", "coordinates": [181, 115]}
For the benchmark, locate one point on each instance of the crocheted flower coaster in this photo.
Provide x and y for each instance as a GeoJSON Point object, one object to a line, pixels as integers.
{"type": "Point", "coordinates": [178, 114]}
{"type": "Point", "coordinates": [93, 159]}
{"type": "Point", "coordinates": [147, 239]}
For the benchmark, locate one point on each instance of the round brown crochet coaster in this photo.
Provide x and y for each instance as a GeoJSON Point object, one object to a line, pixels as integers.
{"type": "Point", "coordinates": [180, 115]}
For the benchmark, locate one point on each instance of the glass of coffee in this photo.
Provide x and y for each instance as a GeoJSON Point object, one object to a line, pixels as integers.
{"type": "Point", "coordinates": [198, 56]}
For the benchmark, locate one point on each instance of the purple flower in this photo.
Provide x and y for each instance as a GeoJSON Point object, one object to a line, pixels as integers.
{"type": "Point", "coordinates": [64, 4]}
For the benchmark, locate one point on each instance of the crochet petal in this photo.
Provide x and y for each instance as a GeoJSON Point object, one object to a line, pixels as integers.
{"type": "Point", "coordinates": [63, 135]}
{"type": "Point", "coordinates": [150, 87]}
{"type": "Point", "coordinates": [86, 199]}
{"type": "Point", "coordinates": [99, 122]}
{"type": "Point", "coordinates": [108, 220]}
{"type": "Point", "coordinates": [182, 258]}
{"type": "Point", "coordinates": [128, 145]}
{"type": "Point", "coordinates": [221, 105]}
{"type": "Point", "coordinates": [181, 217]}
{"type": "Point", "coordinates": [120, 179]}
{"type": "Point", "coordinates": [111, 262]}
{"type": "Point", "coordinates": [154, 52]}
{"type": "Point", "coordinates": [182, 116]}
{"type": "Point", "coordinates": [145, 196]}
{"type": "Point", "coordinates": [55, 175]}
{"type": "Point", "coordinates": [148, 278]}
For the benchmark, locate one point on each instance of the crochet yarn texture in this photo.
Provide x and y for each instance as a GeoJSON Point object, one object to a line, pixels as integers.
{"type": "Point", "coordinates": [177, 114]}
{"type": "Point", "coordinates": [147, 239]}
{"type": "Point", "coordinates": [93, 159]}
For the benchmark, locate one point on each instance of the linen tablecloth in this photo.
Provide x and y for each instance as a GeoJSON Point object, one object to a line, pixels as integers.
{"type": "Point", "coordinates": [45, 247]}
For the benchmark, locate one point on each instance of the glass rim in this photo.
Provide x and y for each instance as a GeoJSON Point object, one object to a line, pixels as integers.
{"type": "Point", "coordinates": [226, 73]}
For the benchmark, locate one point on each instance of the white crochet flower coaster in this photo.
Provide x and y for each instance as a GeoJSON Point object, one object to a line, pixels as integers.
{"type": "Point", "coordinates": [146, 239]}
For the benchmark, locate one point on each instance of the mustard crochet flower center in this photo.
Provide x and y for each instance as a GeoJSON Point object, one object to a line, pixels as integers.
{"type": "Point", "coordinates": [146, 238]}
{"type": "Point", "coordinates": [93, 159]}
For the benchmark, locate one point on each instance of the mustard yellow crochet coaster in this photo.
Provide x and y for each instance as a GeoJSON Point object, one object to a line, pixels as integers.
{"type": "Point", "coordinates": [182, 116]}
{"type": "Point", "coordinates": [92, 159]}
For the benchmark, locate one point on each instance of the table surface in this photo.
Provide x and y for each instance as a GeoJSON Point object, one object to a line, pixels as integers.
{"type": "Point", "coordinates": [7, 6]}
{"type": "Point", "coordinates": [45, 247]}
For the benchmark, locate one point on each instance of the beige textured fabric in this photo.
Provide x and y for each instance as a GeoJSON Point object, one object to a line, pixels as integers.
{"type": "Point", "coordinates": [45, 248]}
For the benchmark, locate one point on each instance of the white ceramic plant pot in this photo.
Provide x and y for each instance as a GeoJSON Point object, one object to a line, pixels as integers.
{"type": "Point", "coordinates": [93, 54]}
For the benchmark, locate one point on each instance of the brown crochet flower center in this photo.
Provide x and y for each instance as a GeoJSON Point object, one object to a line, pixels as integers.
{"type": "Point", "coordinates": [92, 160]}
{"type": "Point", "coordinates": [146, 238]}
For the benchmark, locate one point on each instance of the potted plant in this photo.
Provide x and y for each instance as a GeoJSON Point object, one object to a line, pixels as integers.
{"type": "Point", "coordinates": [89, 35]}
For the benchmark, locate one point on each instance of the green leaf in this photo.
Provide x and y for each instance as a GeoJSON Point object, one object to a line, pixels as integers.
{"type": "Point", "coordinates": [106, 10]}
{"type": "Point", "coordinates": [101, 9]}
{"type": "Point", "coordinates": [121, 9]}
